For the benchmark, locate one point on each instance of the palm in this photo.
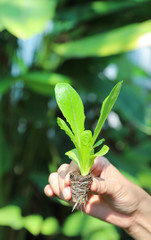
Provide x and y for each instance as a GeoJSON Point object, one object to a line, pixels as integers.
{"type": "Point", "coordinates": [113, 205]}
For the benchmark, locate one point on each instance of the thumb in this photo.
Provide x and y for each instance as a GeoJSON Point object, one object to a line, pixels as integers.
{"type": "Point", "coordinates": [98, 186]}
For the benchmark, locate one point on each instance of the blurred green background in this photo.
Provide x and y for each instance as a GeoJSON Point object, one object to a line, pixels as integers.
{"type": "Point", "coordinates": [92, 45]}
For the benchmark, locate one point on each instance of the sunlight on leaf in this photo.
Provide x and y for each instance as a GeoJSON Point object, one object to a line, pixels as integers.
{"type": "Point", "coordinates": [116, 41]}
{"type": "Point", "coordinates": [71, 106]}
{"type": "Point", "coordinates": [25, 18]}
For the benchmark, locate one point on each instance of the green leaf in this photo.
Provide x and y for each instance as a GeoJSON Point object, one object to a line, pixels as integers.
{"type": "Point", "coordinates": [71, 106]}
{"type": "Point", "coordinates": [83, 225]}
{"type": "Point", "coordinates": [43, 82]}
{"type": "Point", "coordinates": [86, 137]}
{"type": "Point", "coordinates": [73, 155]}
{"type": "Point", "coordinates": [113, 42]}
{"type": "Point", "coordinates": [11, 216]}
{"type": "Point", "coordinates": [50, 226]}
{"type": "Point", "coordinates": [33, 224]}
{"type": "Point", "coordinates": [73, 225]}
{"type": "Point", "coordinates": [106, 108]}
{"type": "Point", "coordinates": [5, 85]}
{"type": "Point", "coordinates": [102, 152]}
{"type": "Point", "coordinates": [24, 18]}
{"type": "Point", "coordinates": [98, 143]}
{"type": "Point", "coordinates": [67, 130]}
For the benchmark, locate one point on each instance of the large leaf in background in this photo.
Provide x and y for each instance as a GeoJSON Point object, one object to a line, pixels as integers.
{"type": "Point", "coordinates": [134, 107]}
{"type": "Point", "coordinates": [24, 18]}
{"type": "Point", "coordinates": [40, 82]}
{"type": "Point", "coordinates": [43, 82]}
{"type": "Point", "coordinates": [116, 41]}
{"type": "Point", "coordinates": [71, 106]}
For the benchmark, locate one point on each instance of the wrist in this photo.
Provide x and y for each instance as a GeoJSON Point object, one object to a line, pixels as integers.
{"type": "Point", "coordinates": [141, 226]}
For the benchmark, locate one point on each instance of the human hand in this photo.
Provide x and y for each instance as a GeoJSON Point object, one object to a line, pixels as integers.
{"type": "Point", "coordinates": [115, 199]}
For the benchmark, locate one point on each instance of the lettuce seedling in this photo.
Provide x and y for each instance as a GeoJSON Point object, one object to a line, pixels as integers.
{"type": "Point", "coordinates": [72, 109]}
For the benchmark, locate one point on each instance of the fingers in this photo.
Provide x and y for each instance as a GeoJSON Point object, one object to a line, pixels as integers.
{"type": "Point", "coordinates": [98, 186]}
{"type": "Point", "coordinates": [59, 182]}
{"type": "Point", "coordinates": [72, 167]}
{"type": "Point", "coordinates": [65, 192]}
{"type": "Point", "coordinates": [99, 166]}
{"type": "Point", "coordinates": [48, 191]}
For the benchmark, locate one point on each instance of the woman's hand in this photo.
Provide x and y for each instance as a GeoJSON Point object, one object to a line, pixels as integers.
{"type": "Point", "coordinates": [113, 198]}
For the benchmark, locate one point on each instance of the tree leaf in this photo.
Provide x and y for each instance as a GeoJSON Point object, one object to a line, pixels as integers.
{"type": "Point", "coordinates": [113, 42]}
{"type": "Point", "coordinates": [25, 18]}
{"type": "Point", "coordinates": [67, 130]}
{"type": "Point", "coordinates": [72, 108]}
{"type": "Point", "coordinates": [43, 82]}
{"type": "Point", "coordinates": [106, 108]}
{"type": "Point", "coordinates": [33, 223]}
{"type": "Point", "coordinates": [50, 226]}
{"type": "Point", "coordinates": [73, 155]}
{"type": "Point", "coordinates": [11, 216]}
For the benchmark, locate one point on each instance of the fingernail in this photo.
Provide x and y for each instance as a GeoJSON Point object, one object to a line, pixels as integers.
{"type": "Point", "coordinates": [67, 193]}
{"type": "Point", "coordinates": [49, 192]}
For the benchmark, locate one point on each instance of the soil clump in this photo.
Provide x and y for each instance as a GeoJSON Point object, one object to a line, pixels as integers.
{"type": "Point", "coordinates": [80, 187]}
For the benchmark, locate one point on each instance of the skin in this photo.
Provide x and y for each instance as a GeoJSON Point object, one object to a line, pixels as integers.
{"type": "Point", "coordinates": [113, 197]}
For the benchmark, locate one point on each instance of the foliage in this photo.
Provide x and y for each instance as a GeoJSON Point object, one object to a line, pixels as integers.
{"type": "Point", "coordinates": [25, 18]}
{"type": "Point", "coordinates": [11, 216]}
{"type": "Point", "coordinates": [72, 108]}
{"type": "Point", "coordinates": [85, 44]}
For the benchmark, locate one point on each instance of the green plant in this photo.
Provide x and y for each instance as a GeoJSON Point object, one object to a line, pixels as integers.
{"type": "Point", "coordinates": [72, 108]}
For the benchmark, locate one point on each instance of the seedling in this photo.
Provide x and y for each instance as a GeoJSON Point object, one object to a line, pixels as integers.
{"type": "Point", "coordinates": [72, 108]}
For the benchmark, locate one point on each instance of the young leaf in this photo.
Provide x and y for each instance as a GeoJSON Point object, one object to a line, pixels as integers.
{"type": "Point", "coordinates": [102, 152]}
{"type": "Point", "coordinates": [99, 143]}
{"type": "Point", "coordinates": [73, 155]}
{"type": "Point", "coordinates": [67, 130]}
{"type": "Point", "coordinates": [71, 106]}
{"type": "Point", "coordinates": [106, 108]}
{"type": "Point", "coordinates": [86, 137]}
